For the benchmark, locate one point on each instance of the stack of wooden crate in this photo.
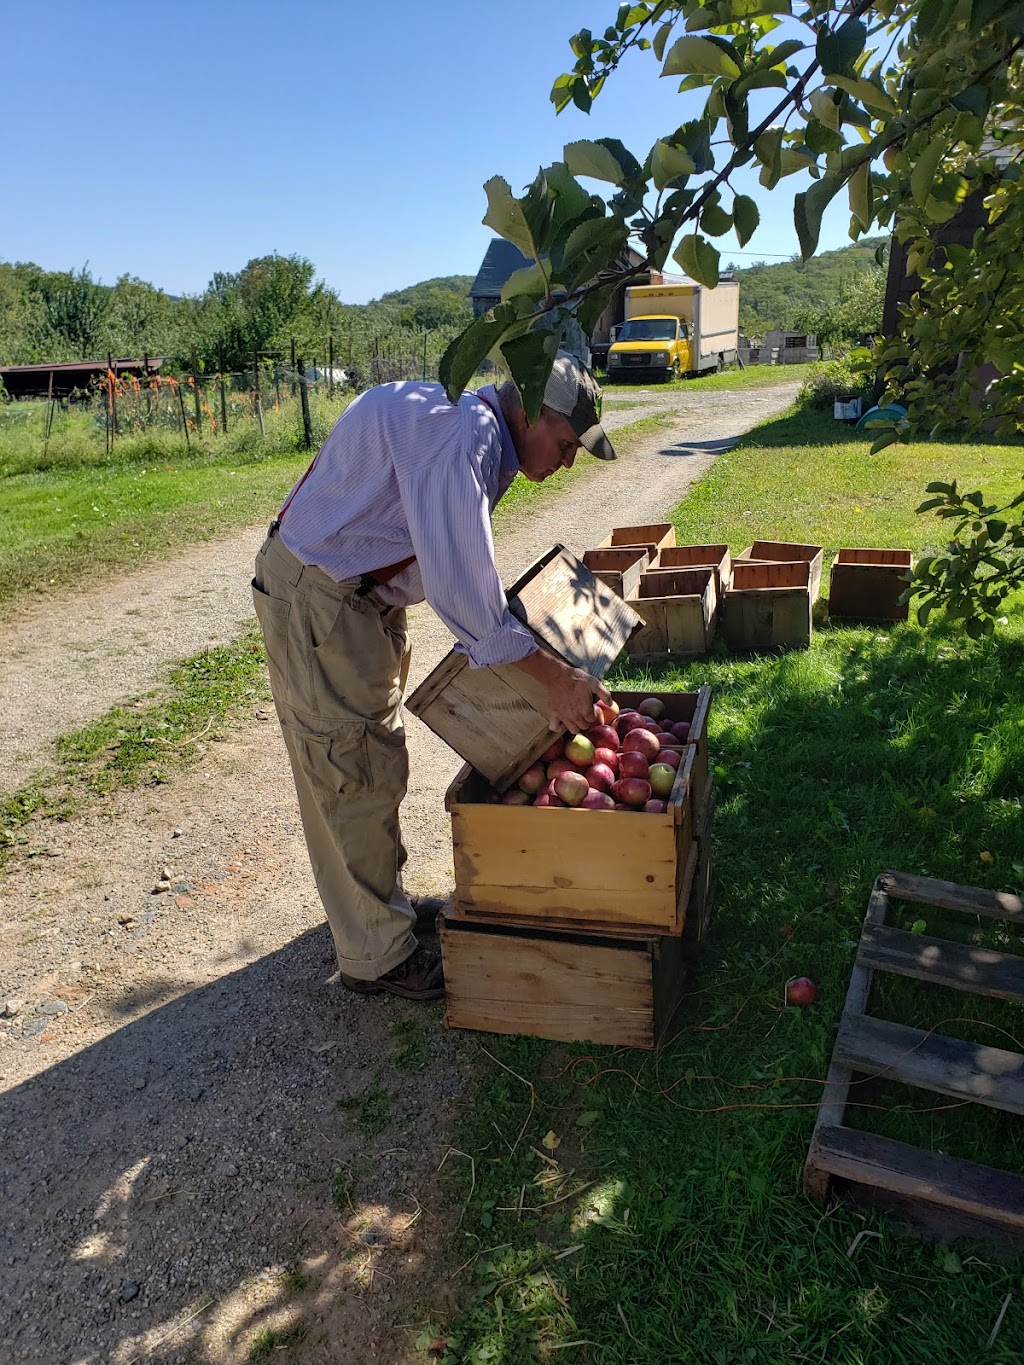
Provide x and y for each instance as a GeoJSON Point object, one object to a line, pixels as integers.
{"type": "Point", "coordinates": [576, 925]}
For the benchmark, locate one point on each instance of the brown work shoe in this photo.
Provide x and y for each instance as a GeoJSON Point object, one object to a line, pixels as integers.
{"type": "Point", "coordinates": [419, 977]}
{"type": "Point", "coordinates": [427, 910]}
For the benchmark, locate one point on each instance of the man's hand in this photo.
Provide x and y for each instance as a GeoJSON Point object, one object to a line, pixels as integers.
{"type": "Point", "coordinates": [571, 691]}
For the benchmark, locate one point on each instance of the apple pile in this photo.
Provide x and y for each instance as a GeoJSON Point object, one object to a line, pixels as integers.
{"type": "Point", "coordinates": [627, 762]}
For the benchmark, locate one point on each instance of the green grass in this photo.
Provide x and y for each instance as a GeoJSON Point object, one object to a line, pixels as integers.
{"type": "Point", "coordinates": [269, 1340]}
{"type": "Point", "coordinates": [414, 1049]}
{"type": "Point", "coordinates": [144, 742]}
{"type": "Point", "coordinates": [875, 748]}
{"type": "Point", "coordinates": [753, 377]}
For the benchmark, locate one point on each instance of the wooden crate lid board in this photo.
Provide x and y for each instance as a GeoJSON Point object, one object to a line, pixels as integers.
{"type": "Point", "coordinates": [496, 718]}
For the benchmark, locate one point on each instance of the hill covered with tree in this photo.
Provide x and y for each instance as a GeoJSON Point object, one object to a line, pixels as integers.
{"type": "Point", "coordinates": [805, 294]}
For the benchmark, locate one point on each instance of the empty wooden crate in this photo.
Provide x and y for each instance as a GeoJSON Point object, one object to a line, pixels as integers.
{"type": "Point", "coordinates": [768, 606]}
{"type": "Point", "coordinates": [568, 987]}
{"type": "Point", "coordinates": [716, 557]}
{"type": "Point", "coordinates": [784, 551]}
{"type": "Point", "coordinates": [679, 608]}
{"type": "Point", "coordinates": [867, 585]}
{"type": "Point", "coordinates": [653, 537]}
{"type": "Point", "coordinates": [594, 871]}
{"type": "Point", "coordinates": [497, 718]}
{"type": "Point", "coordinates": [618, 569]}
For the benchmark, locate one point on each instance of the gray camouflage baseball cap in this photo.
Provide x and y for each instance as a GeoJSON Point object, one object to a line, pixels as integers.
{"type": "Point", "coordinates": [574, 392]}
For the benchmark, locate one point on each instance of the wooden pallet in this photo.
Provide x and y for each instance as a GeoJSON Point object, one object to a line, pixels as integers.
{"type": "Point", "coordinates": [941, 1195]}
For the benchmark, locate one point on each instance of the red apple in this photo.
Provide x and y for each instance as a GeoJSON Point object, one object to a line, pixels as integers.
{"type": "Point", "coordinates": [624, 720]}
{"type": "Point", "coordinates": [580, 751]}
{"type": "Point", "coordinates": [554, 751]}
{"type": "Point", "coordinates": [516, 797]}
{"type": "Point", "coordinates": [595, 800]}
{"type": "Point", "coordinates": [637, 723]}
{"type": "Point", "coordinates": [533, 779]}
{"type": "Point", "coordinates": [560, 766]}
{"type": "Point", "coordinates": [572, 788]}
{"type": "Point", "coordinates": [642, 742]}
{"type": "Point", "coordinates": [608, 710]}
{"type": "Point", "coordinates": [548, 799]}
{"type": "Point", "coordinates": [669, 757]}
{"type": "Point", "coordinates": [654, 807]}
{"type": "Point", "coordinates": [681, 730]}
{"type": "Point", "coordinates": [801, 990]}
{"type": "Point", "coordinates": [632, 791]}
{"type": "Point", "coordinates": [609, 757]}
{"type": "Point", "coordinates": [600, 776]}
{"type": "Point", "coordinates": [661, 778]}
{"type": "Point", "coordinates": [633, 764]}
{"type": "Point", "coordinates": [603, 736]}
{"type": "Point", "coordinates": [653, 707]}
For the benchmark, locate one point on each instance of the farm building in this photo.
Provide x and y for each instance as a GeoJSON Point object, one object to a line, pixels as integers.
{"type": "Point", "coordinates": [33, 381]}
{"type": "Point", "coordinates": [502, 258]}
{"type": "Point", "coordinates": [780, 348]}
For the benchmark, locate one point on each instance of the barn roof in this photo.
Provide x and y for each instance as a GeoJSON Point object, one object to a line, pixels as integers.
{"type": "Point", "coordinates": [500, 260]}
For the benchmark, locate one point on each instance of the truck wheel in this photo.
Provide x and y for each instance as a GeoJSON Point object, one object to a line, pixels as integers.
{"type": "Point", "coordinates": [721, 362]}
{"type": "Point", "coordinates": [673, 373]}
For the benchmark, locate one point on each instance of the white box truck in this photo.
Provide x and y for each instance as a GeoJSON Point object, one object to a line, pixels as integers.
{"type": "Point", "coordinates": [673, 329]}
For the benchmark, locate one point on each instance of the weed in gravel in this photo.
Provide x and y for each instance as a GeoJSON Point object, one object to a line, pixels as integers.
{"type": "Point", "coordinates": [341, 1188]}
{"type": "Point", "coordinates": [295, 1278]}
{"type": "Point", "coordinates": [414, 1052]}
{"type": "Point", "coordinates": [372, 1110]}
{"type": "Point", "coordinates": [270, 1339]}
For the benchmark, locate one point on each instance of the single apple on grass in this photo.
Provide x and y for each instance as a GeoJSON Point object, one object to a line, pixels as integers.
{"type": "Point", "coordinates": [801, 990]}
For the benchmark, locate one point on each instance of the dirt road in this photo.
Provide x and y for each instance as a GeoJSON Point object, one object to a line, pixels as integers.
{"type": "Point", "coordinates": [203, 1138]}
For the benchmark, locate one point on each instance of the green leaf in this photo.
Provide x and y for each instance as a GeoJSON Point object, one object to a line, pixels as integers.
{"type": "Point", "coordinates": [590, 309]}
{"type": "Point", "coordinates": [530, 358]}
{"type": "Point", "coordinates": [860, 194]}
{"type": "Point", "coordinates": [793, 159]}
{"type": "Point", "coordinates": [668, 163]}
{"type": "Point", "coordinates": [768, 150]}
{"type": "Point", "coordinates": [561, 92]}
{"type": "Point", "coordinates": [746, 217]}
{"type": "Point", "coordinates": [590, 248]}
{"type": "Point", "coordinates": [922, 177]}
{"type": "Point", "coordinates": [627, 161]}
{"type": "Point", "coordinates": [807, 211]}
{"type": "Point", "coordinates": [464, 354]}
{"type": "Point", "coordinates": [698, 259]}
{"type": "Point", "coordinates": [693, 56]}
{"type": "Point", "coordinates": [869, 94]}
{"type": "Point", "coordinates": [837, 51]}
{"type": "Point", "coordinates": [825, 108]}
{"type": "Point", "coordinates": [594, 160]}
{"type": "Point", "coordinates": [505, 215]}
{"type": "Point", "coordinates": [661, 38]}
{"type": "Point", "coordinates": [571, 199]}
{"type": "Point", "coordinates": [715, 221]}
{"type": "Point", "coordinates": [819, 138]}
{"type": "Point", "coordinates": [529, 279]}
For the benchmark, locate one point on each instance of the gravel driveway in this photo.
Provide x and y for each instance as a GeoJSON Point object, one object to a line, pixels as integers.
{"type": "Point", "coordinates": [204, 1138]}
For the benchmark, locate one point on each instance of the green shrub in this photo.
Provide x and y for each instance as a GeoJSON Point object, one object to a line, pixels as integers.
{"type": "Point", "coordinates": [832, 379]}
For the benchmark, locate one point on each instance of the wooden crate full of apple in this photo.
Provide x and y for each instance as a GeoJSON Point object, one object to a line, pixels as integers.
{"type": "Point", "coordinates": [597, 836]}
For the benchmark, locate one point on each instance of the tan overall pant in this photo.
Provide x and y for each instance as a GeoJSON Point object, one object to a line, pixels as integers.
{"type": "Point", "coordinates": [338, 666]}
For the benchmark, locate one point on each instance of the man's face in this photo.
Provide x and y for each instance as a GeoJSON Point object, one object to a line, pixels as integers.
{"type": "Point", "coordinates": [544, 446]}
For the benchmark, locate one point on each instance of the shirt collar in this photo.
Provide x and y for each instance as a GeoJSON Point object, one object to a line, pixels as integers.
{"type": "Point", "coordinates": [509, 466]}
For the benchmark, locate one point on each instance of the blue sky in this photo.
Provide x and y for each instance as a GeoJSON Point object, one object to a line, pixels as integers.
{"type": "Point", "coordinates": [173, 140]}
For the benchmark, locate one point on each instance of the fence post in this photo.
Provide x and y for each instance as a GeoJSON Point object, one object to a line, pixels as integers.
{"type": "Point", "coordinates": [223, 394]}
{"type": "Point", "coordinates": [195, 392]}
{"type": "Point", "coordinates": [307, 425]}
{"type": "Point", "coordinates": [149, 391]}
{"type": "Point", "coordinates": [256, 386]}
{"type": "Point", "coordinates": [294, 370]}
{"type": "Point", "coordinates": [184, 419]}
{"type": "Point", "coordinates": [112, 397]}
{"type": "Point", "coordinates": [330, 367]}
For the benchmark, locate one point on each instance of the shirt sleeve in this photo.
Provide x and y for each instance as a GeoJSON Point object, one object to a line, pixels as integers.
{"type": "Point", "coordinates": [447, 507]}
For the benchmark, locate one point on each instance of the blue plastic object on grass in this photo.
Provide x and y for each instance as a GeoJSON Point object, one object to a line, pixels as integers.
{"type": "Point", "coordinates": [891, 415]}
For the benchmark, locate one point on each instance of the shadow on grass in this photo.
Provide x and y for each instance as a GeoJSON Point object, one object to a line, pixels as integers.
{"type": "Point", "coordinates": [873, 749]}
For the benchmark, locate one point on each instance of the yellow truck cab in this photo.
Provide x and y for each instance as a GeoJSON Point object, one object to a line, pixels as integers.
{"type": "Point", "coordinates": [673, 329]}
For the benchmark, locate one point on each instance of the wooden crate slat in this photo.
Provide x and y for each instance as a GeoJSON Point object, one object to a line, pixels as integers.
{"type": "Point", "coordinates": [994, 1196]}
{"type": "Point", "coordinates": [618, 569]}
{"type": "Point", "coordinates": [942, 962]}
{"type": "Point", "coordinates": [866, 585]}
{"type": "Point", "coordinates": [837, 1082]}
{"type": "Point", "coordinates": [786, 551]}
{"type": "Point", "coordinates": [991, 1076]}
{"type": "Point", "coordinates": [972, 900]}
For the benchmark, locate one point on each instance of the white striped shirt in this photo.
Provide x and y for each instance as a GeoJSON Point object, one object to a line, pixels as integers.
{"type": "Point", "coordinates": [405, 472]}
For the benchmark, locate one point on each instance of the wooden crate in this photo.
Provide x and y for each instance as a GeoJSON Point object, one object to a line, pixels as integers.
{"type": "Point", "coordinates": [784, 551]}
{"type": "Point", "coordinates": [568, 987]}
{"type": "Point", "coordinates": [679, 608]}
{"type": "Point", "coordinates": [702, 892]}
{"type": "Point", "coordinates": [497, 718]}
{"type": "Point", "coordinates": [554, 867]}
{"type": "Point", "coordinates": [867, 585]}
{"type": "Point", "coordinates": [652, 537]}
{"type": "Point", "coordinates": [716, 557]}
{"type": "Point", "coordinates": [768, 606]}
{"type": "Point", "coordinates": [940, 1195]}
{"type": "Point", "coordinates": [618, 569]}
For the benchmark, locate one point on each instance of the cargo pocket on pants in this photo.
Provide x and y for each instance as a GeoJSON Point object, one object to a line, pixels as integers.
{"type": "Point", "coordinates": [337, 760]}
{"type": "Point", "coordinates": [272, 614]}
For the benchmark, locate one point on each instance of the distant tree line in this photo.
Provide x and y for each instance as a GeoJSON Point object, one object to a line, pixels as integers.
{"type": "Point", "coordinates": [67, 315]}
